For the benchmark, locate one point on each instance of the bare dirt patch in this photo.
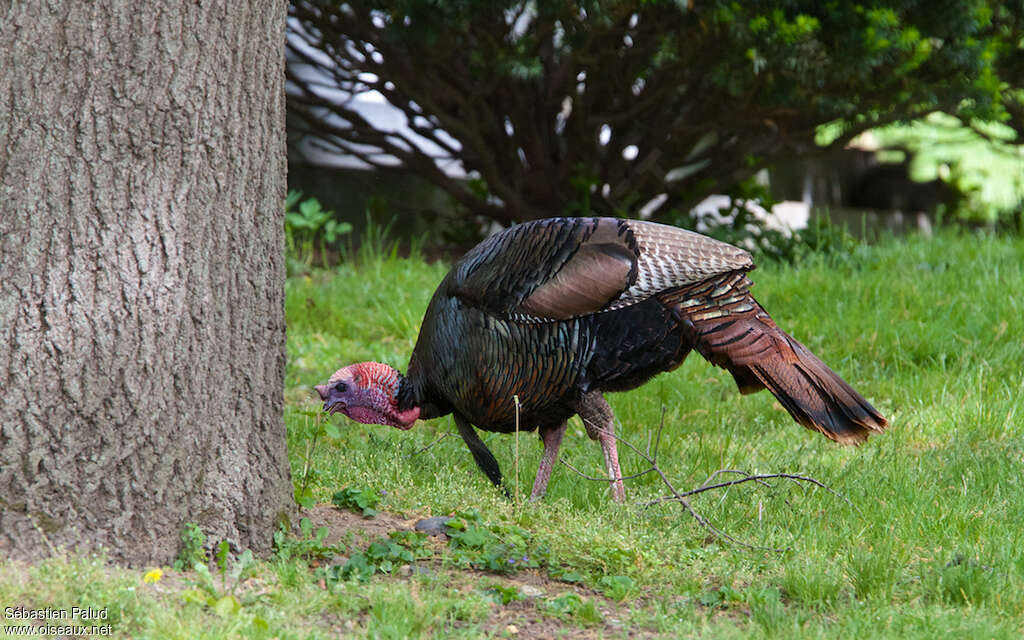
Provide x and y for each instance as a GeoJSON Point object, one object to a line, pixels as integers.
{"type": "Point", "coordinates": [342, 524]}
{"type": "Point", "coordinates": [524, 618]}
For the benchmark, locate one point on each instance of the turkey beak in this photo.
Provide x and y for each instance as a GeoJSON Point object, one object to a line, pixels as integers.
{"type": "Point", "coordinates": [331, 405]}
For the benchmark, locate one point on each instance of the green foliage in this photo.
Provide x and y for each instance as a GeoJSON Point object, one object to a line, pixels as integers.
{"type": "Point", "coordinates": [982, 161]}
{"type": "Point", "coordinates": [632, 100]}
{"type": "Point", "coordinates": [962, 581]}
{"type": "Point", "coordinates": [873, 571]}
{"type": "Point", "coordinates": [737, 224]}
{"type": "Point", "coordinates": [504, 595]}
{"type": "Point", "coordinates": [378, 242]}
{"type": "Point", "coordinates": [499, 548]}
{"type": "Point", "coordinates": [573, 606]}
{"type": "Point", "coordinates": [224, 600]}
{"type": "Point", "coordinates": [192, 550]}
{"type": "Point", "coordinates": [427, 612]}
{"type": "Point", "coordinates": [320, 428]}
{"type": "Point", "coordinates": [381, 556]}
{"type": "Point", "coordinates": [811, 584]}
{"type": "Point", "coordinates": [307, 229]}
{"type": "Point", "coordinates": [617, 587]}
{"type": "Point", "coordinates": [311, 545]}
{"type": "Point", "coordinates": [361, 499]}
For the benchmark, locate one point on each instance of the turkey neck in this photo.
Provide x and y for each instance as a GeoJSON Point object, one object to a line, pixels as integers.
{"type": "Point", "coordinates": [412, 392]}
{"type": "Point", "coordinates": [408, 395]}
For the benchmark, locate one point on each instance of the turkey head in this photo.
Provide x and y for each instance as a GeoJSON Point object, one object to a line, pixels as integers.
{"type": "Point", "coordinates": [367, 392]}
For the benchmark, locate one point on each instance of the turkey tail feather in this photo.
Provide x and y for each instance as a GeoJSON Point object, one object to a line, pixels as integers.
{"type": "Point", "coordinates": [731, 330]}
{"type": "Point", "coordinates": [817, 397]}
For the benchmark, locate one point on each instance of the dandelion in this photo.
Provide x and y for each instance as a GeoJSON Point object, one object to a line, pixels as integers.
{"type": "Point", "coordinates": [153, 576]}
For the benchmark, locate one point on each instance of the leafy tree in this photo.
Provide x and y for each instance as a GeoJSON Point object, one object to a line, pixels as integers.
{"type": "Point", "coordinates": [599, 106]}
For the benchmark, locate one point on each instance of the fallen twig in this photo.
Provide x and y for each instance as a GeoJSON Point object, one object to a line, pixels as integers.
{"type": "Point", "coordinates": [760, 478]}
{"type": "Point", "coordinates": [651, 457]}
{"type": "Point", "coordinates": [431, 445]}
{"type": "Point", "coordinates": [602, 479]}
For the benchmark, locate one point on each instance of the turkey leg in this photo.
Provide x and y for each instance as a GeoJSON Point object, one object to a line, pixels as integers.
{"type": "Point", "coordinates": [599, 421]}
{"type": "Point", "coordinates": [483, 456]}
{"type": "Point", "coordinates": [552, 439]}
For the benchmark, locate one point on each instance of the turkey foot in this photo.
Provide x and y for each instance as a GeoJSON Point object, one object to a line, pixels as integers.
{"type": "Point", "coordinates": [599, 421]}
{"type": "Point", "coordinates": [552, 439]}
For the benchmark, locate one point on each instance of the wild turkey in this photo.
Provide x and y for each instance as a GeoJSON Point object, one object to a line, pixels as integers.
{"type": "Point", "coordinates": [556, 312]}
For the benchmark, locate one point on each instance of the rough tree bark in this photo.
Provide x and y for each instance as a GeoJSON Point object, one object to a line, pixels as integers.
{"type": "Point", "coordinates": [142, 178]}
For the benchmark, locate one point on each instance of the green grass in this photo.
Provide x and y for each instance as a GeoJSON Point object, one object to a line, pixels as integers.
{"type": "Point", "coordinates": [929, 545]}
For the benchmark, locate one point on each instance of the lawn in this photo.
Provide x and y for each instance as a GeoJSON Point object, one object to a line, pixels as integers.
{"type": "Point", "coordinates": [921, 535]}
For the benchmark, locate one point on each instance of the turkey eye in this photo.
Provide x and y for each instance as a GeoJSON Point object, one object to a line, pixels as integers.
{"type": "Point", "coordinates": [341, 387]}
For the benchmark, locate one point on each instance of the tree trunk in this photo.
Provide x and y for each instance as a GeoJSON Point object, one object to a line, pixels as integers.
{"type": "Point", "coordinates": [142, 178]}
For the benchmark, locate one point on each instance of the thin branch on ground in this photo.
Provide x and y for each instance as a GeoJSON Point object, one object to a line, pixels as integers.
{"type": "Point", "coordinates": [431, 445]}
{"type": "Point", "coordinates": [651, 457]}
{"type": "Point", "coordinates": [602, 479]}
{"type": "Point", "coordinates": [759, 478]}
